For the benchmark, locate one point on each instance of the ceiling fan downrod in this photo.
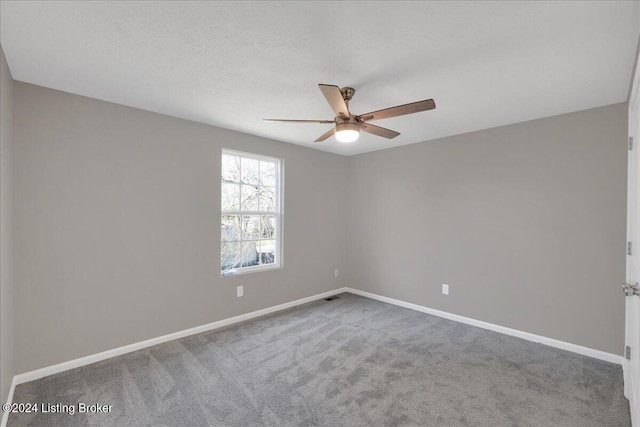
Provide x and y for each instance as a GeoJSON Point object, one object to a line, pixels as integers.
{"type": "Point", "coordinates": [347, 94]}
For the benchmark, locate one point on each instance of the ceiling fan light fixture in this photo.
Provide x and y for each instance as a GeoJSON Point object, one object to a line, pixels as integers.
{"type": "Point", "coordinates": [347, 132]}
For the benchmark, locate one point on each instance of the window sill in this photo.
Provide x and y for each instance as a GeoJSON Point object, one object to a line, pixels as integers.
{"type": "Point", "coordinates": [248, 270]}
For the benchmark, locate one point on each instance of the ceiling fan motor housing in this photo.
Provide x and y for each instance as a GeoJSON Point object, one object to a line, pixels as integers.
{"type": "Point", "coordinates": [347, 126]}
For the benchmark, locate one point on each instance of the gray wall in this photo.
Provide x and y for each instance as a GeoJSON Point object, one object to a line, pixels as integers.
{"type": "Point", "coordinates": [525, 222]}
{"type": "Point", "coordinates": [116, 236]}
{"type": "Point", "coordinates": [6, 232]}
{"type": "Point", "coordinates": [117, 226]}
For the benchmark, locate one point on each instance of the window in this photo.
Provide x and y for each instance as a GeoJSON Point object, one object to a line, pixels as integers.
{"type": "Point", "coordinates": [251, 213]}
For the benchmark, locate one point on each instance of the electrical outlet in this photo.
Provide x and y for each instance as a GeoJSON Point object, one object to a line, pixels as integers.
{"type": "Point", "coordinates": [336, 272]}
{"type": "Point", "coordinates": [240, 291]}
{"type": "Point", "coordinates": [445, 289]}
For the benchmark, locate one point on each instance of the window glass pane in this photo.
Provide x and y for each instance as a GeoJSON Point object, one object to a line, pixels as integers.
{"type": "Point", "coordinates": [249, 198]}
{"type": "Point", "coordinates": [249, 184]}
{"type": "Point", "coordinates": [267, 199]}
{"type": "Point", "coordinates": [267, 251]}
{"type": "Point", "coordinates": [230, 168]}
{"type": "Point", "coordinates": [250, 227]}
{"type": "Point", "coordinates": [267, 173]}
{"type": "Point", "coordinates": [250, 172]}
{"type": "Point", "coordinates": [230, 197]}
{"type": "Point", "coordinates": [230, 228]}
{"type": "Point", "coordinates": [249, 254]}
{"type": "Point", "coordinates": [268, 230]}
{"type": "Point", "coordinates": [231, 255]}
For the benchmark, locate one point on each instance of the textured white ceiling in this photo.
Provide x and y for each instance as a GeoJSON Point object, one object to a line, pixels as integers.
{"type": "Point", "coordinates": [230, 64]}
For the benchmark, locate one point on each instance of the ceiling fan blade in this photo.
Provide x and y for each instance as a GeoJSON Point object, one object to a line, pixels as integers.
{"type": "Point", "coordinates": [335, 99]}
{"type": "Point", "coordinates": [298, 121]}
{"type": "Point", "coordinates": [325, 135]}
{"type": "Point", "coordinates": [377, 130]}
{"type": "Point", "coordinates": [400, 110]}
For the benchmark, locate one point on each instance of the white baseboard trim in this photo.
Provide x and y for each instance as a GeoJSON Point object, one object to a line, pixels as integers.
{"type": "Point", "coordinates": [82, 361]}
{"type": "Point", "coordinates": [5, 415]}
{"type": "Point", "coordinates": [585, 351]}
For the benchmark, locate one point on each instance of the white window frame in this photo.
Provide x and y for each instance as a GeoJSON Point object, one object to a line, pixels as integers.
{"type": "Point", "coordinates": [279, 190]}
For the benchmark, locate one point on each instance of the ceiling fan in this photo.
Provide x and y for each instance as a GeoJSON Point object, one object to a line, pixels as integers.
{"type": "Point", "coordinates": [348, 126]}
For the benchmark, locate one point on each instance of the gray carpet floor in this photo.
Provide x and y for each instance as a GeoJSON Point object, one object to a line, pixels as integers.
{"type": "Point", "coordinates": [348, 362]}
